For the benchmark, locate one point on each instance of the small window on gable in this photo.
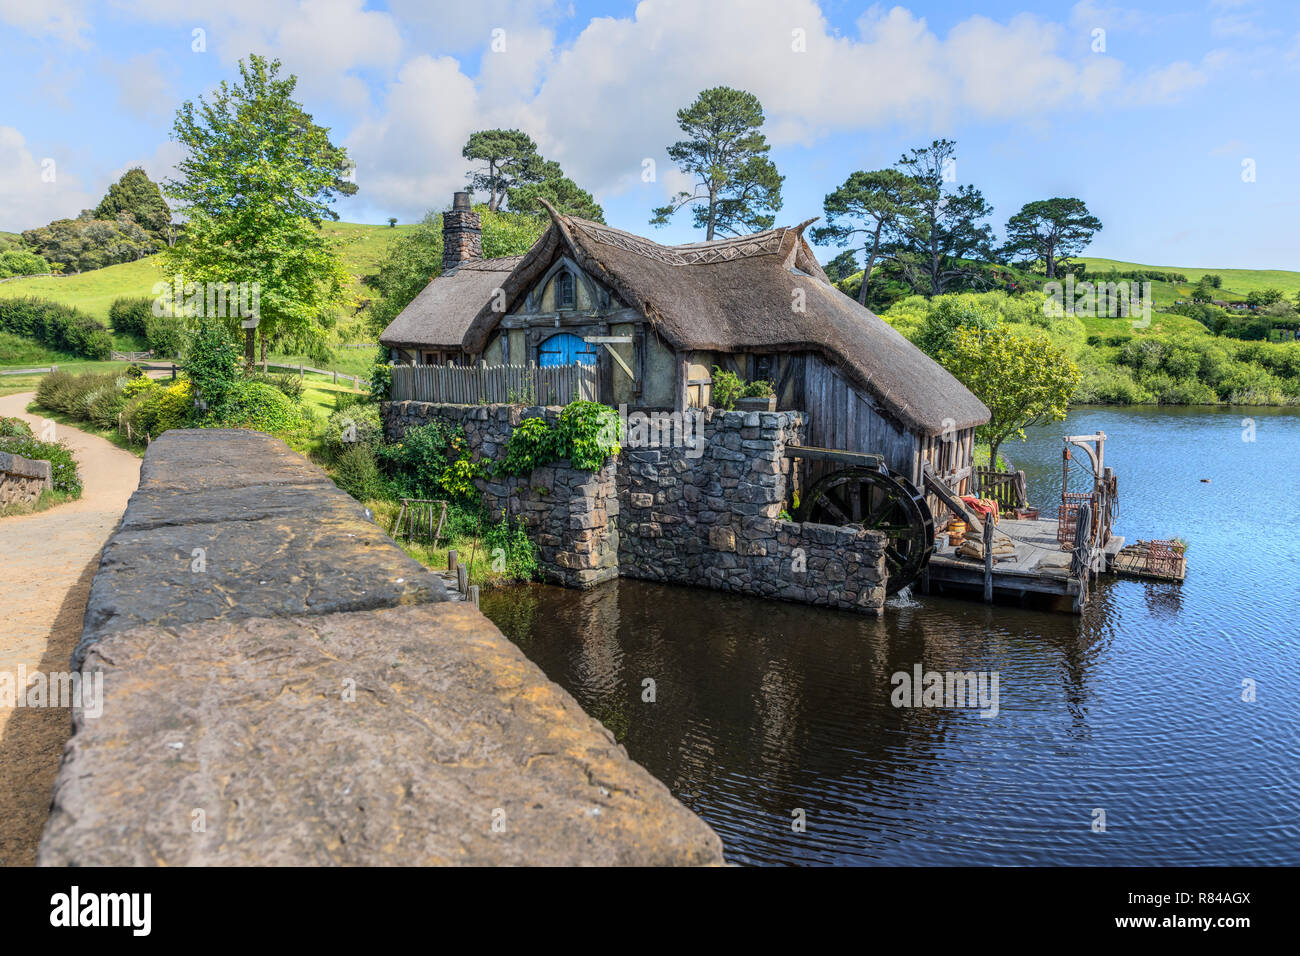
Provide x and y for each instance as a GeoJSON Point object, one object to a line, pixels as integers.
{"type": "Point", "coordinates": [764, 368]}
{"type": "Point", "coordinates": [565, 297]}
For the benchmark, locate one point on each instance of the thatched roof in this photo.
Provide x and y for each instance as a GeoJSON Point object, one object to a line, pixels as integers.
{"type": "Point", "coordinates": [440, 315]}
{"type": "Point", "coordinates": [739, 295]}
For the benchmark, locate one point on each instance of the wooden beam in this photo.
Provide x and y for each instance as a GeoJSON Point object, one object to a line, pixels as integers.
{"type": "Point", "coordinates": [812, 453]}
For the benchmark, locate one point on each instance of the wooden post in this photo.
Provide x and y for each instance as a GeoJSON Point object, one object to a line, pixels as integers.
{"type": "Point", "coordinates": [988, 559]}
{"type": "Point", "coordinates": [473, 594]}
{"type": "Point", "coordinates": [462, 579]}
{"type": "Point", "coordinates": [452, 557]}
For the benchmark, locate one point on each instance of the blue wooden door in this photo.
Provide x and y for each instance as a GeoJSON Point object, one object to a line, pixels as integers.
{"type": "Point", "coordinates": [565, 349]}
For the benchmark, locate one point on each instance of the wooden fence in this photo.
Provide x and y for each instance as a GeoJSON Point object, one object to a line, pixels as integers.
{"type": "Point", "coordinates": [1007, 488]}
{"type": "Point", "coordinates": [495, 384]}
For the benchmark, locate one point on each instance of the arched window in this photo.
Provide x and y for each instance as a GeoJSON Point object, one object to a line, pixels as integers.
{"type": "Point", "coordinates": [565, 294]}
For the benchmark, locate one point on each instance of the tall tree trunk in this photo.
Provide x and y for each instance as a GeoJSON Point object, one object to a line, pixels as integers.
{"type": "Point", "coordinates": [871, 262]}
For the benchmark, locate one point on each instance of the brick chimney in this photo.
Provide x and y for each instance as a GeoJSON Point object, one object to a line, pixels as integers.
{"type": "Point", "coordinates": [462, 233]}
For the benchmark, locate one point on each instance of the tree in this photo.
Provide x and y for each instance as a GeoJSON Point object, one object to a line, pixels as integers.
{"type": "Point", "coordinates": [557, 189]}
{"type": "Point", "coordinates": [933, 237]}
{"type": "Point", "coordinates": [842, 266]}
{"type": "Point", "coordinates": [868, 204]}
{"type": "Point", "coordinates": [737, 187]}
{"type": "Point", "coordinates": [85, 243]}
{"type": "Point", "coordinates": [258, 178]}
{"type": "Point", "coordinates": [413, 259]}
{"type": "Point", "coordinates": [1023, 381]}
{"type": "Point", "coordinates": [138, 196]}
{"type": "Point", "coordinates": [510, 159]}
{"type": "Point", "coordinates": [1260, 298]}
{"type": "Point", "coordinates": [392, 222]}
{"type": "Point", "coordinates": [1052, 230]}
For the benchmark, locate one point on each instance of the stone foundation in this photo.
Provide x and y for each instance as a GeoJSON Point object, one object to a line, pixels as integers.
{"type": "Point", "coordinates": [708, 515]}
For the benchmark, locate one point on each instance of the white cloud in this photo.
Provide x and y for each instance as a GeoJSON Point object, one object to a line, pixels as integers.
{"type": "Point", "coordinates": [63, 19]}
{"type": "Point", "coordinates": [408, 159]}
{"type": "Point", "coordinates": [27, 196]}
{"type": "Point", "coordinates": [1167, 84]}
{"type": "Point", "coordinates": [144, 85]}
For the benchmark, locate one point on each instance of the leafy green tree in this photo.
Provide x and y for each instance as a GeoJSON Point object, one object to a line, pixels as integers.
{"type": "Point", "coordinates": [867, 205]}
{"type": "Point", "coordinates": [258, 178]}
{"type": "Point", "coordinates": [510, 159]}
{"type": "Point", "coordinates": [737, 186]}
{"type": "Point", "coordinates": [212, 364]}
{"type": "Point", "coordinates": [1024, 381]}
{"type": "Point", "coordinates": [1260, 298]}
{"type": "Point", "coordinates": [933, 238]}
{"type": "Point", "coordinates": [86, 243]}
{"type": "Point", "coordinates": [1203, 291]}
{"type": "Point", "coordinates": [1052, 230]}
{"type": "Point", "coordinates": [138, 196]}
{"type": "Point", "coordinates": [945, 315]}
{"type": "Point", "coordinates": [842, 266]}
{"type": "Point", "coordinates": [392, 222]}
{"type": "Point", "coordinates": [414, 259]}
{"type": "Point", "coordinates": [557, 189]}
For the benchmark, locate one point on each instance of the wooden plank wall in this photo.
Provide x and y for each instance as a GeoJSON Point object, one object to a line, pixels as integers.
{"type": "Point", "coordinates": [495, 384]}
{"type": "Point", "coordinates": [839, 416]}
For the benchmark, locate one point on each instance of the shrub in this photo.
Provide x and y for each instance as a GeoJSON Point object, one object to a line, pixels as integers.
{"type": "Point", "coordinates": [17, 262]}
{"type": "Point", "coordinates": [14, 428]}
{"type": "Point", "coordinates": [213, 364]}
{"type": "Point", "coordinates": [57, 326]}
{"type": "Point", "coordinates": [513, 552]}
{"type": "Point", "coordinates": [62, 464]}
{"type": "Point", "coordinates": [165, 335]}
{"type": "Point", "coordinates": [105, 402]}
{"type": "Point", "coordinates": [727, 387]}
{"type": "Point", "coordinates": [417, 462]}
{"type": "Point", "coordinates": [287, 382]}
{"type": "Point", "coordinates": [590, 432]}
{"type": "Point", "coordinates": [532, 444]}
{"type": "Point", "coordinates": [357, 473]}
{"type": "Point", "coordinates": [258, 406]}
{"type": "Point", "coordinates": [71, 394]}
{"type": "Point", "coordinates": [158, 408]}
{"type": "Point", "coordinates": [355, 425]}
{"type": "Point", "coordinates": [130, 314]}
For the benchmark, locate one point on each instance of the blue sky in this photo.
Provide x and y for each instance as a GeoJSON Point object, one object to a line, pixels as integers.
{"type": "Point", "coordinates": [1152, 131]}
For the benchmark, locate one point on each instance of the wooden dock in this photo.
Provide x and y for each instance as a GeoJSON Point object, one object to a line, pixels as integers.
{"type": "Point", "coordinates": [1037, 565]}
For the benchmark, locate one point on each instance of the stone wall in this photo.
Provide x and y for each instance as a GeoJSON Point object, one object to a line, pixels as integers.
{"type": "Point", "coordinates": [714, 520]}
{"type": "Point", "coordinates": [706, 516]}
{"type": "Point", "coordinates": [570, 514]}
{"type": "Point", "coordinates": [282, 685]}
{"type": "Point", "coordinates": [23, 479]}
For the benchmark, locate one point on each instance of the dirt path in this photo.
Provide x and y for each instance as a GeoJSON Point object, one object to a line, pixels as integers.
{"type": "Point", "coordinates": [46, 563]}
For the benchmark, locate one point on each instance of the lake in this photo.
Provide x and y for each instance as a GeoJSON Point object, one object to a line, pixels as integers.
{"type": "Point", "coordinates": [775, 723]}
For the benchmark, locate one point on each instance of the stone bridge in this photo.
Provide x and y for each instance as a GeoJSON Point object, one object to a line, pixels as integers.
{"type": "Point", "coordinates": [283, 685]}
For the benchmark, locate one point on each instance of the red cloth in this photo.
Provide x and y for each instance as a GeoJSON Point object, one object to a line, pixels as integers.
{"type": "Point", "coordinates": [981, 506]}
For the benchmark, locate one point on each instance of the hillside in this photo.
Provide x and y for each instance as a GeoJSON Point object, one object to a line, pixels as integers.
{"type": "Point", "coordinates": [94, 292]}
{"type": "Point", "coordinates": [1237, 283]}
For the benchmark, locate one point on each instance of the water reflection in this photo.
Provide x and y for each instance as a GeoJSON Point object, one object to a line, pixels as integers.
{"type": "Point", "coordinates": [761, 708]}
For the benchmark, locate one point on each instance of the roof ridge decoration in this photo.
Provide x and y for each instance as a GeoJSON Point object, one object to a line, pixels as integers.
{"type": "Point", "coordinates": [697, 253]}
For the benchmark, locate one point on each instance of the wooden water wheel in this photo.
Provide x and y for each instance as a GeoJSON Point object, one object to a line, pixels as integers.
{"type": "Point", "coordinates": [876, 500]}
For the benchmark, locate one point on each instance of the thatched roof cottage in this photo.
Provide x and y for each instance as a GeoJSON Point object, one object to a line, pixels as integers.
{"type": "Point", "coordinates": [758, 305]}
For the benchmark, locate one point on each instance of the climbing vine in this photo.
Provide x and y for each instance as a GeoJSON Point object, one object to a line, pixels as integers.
{"type": "Point", "coordinates": [586, 435]}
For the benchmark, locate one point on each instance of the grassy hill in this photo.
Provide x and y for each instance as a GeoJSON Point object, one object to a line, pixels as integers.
{"type": "Point", "coordinates": [1237, 283]}
{"type": "Point", "coordinates": [93, 292]}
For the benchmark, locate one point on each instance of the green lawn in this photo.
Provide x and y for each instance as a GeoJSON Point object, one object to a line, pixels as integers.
{"type": "Point", "coordinates": [1236, 282]}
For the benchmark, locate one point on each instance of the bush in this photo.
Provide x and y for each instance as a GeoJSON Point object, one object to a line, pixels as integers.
{"type": "Point", "coordinates": [727, 387]}
{"type": "Point", "coordinates": [57, 326]}
{"type": "Point", "coordinates": [130, 314]}
{"type": "Point", "coordinates": [417, 462]}
{"type": "Point", "coordinates": [105, 402]}
{"type": "Point", "coordinates": [355, 425]}
{"type": "Point", "coordinates": [287, 382]}
{"type": "Point", "coordinates": [165, 335]}
{"type": "Point", "coordinates": [17, 262]}
{"type": "Point", "coordinates": [14, 428]}
{"type": "Point", "coordinates": [357, 472]}
{"type": "Point", "coordinates": [511, 550]}
{"type": "Point", "coordinates": [71, 394]}
{"type": "Point", "coordinates": [214, 364]}
{"type": "Point", "coordinates": [590, 432]}
{"type": "Point", "coordinates": [532, 444]}
{"type": "Point", "coordinates": [261, 407]}
{"type": "Point", "coordinates": [62, 464]}
{"type": "Point", "coordinates": [157, 408]}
